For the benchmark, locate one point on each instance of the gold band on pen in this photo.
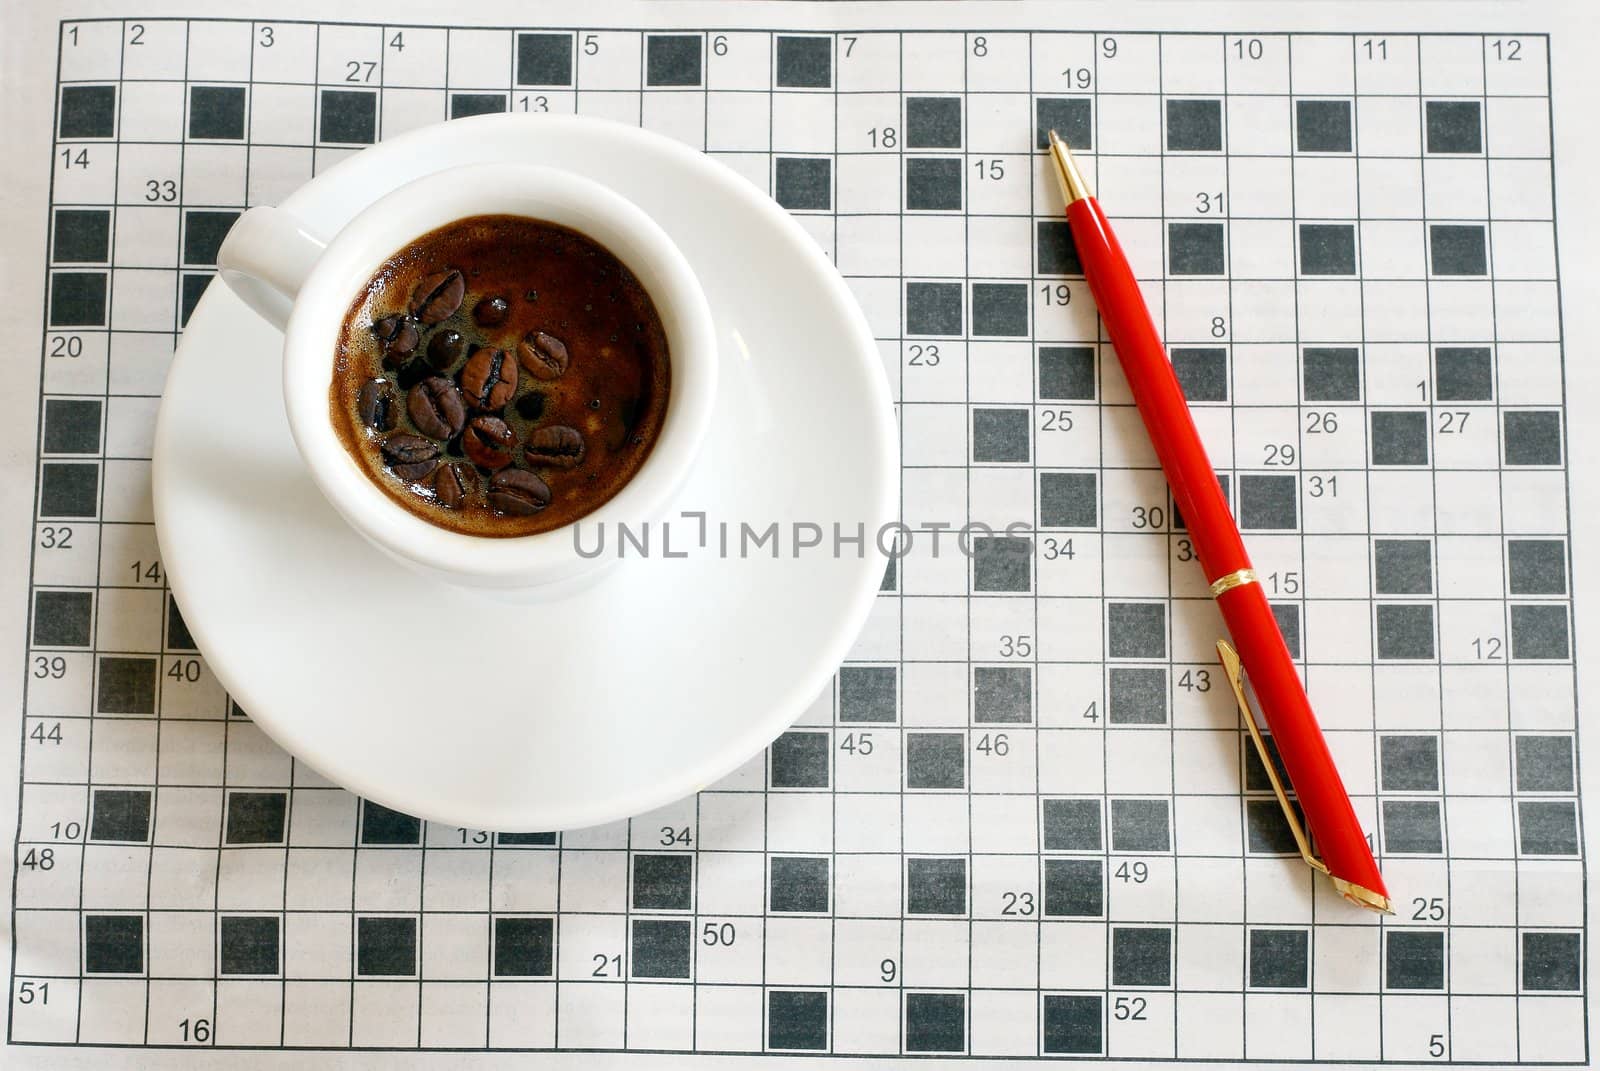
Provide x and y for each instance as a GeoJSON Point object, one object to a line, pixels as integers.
{"type": "Point", "coordinates": [1236, 579]}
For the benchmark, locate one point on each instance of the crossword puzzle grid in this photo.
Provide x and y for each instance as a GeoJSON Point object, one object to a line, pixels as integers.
{"type": "Point", "coordinates": [1015, 824]}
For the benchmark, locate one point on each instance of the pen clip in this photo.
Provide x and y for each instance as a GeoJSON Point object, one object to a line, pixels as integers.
{"type": "Point", "coordinates": [1235, 671]}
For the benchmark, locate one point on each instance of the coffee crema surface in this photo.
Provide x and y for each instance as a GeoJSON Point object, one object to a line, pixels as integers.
{"type": "Point", "coordinates": [501, 376]}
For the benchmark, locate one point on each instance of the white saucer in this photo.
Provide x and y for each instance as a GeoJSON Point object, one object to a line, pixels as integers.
{"type": "Point", "coordinates": [639, 689]}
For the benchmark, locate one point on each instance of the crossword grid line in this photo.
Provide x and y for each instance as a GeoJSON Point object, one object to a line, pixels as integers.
{"type": "Point", "coordinates": [981, 612]}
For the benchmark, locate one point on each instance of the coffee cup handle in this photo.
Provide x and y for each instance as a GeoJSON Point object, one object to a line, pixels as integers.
{"type": "Point", "coordinates": [265, 258]}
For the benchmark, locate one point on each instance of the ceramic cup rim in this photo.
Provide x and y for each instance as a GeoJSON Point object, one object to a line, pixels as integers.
{"type": "Point", "coordinates": [407, 213]}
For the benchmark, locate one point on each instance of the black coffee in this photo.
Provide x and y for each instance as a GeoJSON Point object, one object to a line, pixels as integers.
{"type": "Point", "coordinates": [501, 376]}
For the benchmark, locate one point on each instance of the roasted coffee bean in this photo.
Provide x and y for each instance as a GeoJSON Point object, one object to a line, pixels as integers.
{"type": "Point", "coordinates": [445, 348]}
{"type": "Point", "coordinates": [375, 405]}
{"type": "Point", "coordinates": [438, 296]}
{"type": "Point", "coordinates": [518, 492]}
{"type": "Point", "coordinates": [558, 447]}
{"type": "Point", "coordinates": [398, 337]}
{"type": "Point", "coordinates": [436, 407]}
{"type": "Point", "coordinates": [543, 355]}
{"type": "Point", "coordinates": [531, 405]}
{"type": "Point", "coordinates": [491, 311]}
{"type": "Point", "coordinates": [453, 483]}
{"type": "Point", "coordinates": [489, 379]}
{"type": "Point", "coordinates": [410, 456]}
{"type": "Point", "coordinates": [488, 441]}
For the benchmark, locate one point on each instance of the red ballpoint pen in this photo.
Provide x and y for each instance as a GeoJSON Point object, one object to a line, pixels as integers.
{"type": "Point", "coordinates": [1345, 855]}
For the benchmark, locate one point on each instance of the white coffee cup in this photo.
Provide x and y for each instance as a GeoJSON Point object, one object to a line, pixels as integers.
{"type": "Point", "coordinates": [304, 284]}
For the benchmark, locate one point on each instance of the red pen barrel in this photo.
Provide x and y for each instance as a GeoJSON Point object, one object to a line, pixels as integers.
{"type": "Point", "coordinates": [1220, 548]}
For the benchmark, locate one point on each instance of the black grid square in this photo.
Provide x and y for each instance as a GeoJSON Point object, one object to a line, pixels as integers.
{"type": "Point", "coordinates": [797, 1019]}
{"type": "Point", "coordinates": [1400, 438]}
{"type": "Point", "coordinates": [1463, 374]}
{"type": "Point", "coordinates": [120, 815]}
{"type": "Point", "coordinates": [62, 618]}
{"type": "Point", "coordinates": [126, 685]}
{"type": "Point", "coordinates": [1322, 125]}
{"type": "Point", "coordinates": [256, 818]}
{"type": "Point", "coordinates": [1069, 117]}
{"type": "Point", "coordinates": [463, 105]}
{"type": "Point", "coordinates": [82, 236]}
{"type": "Point", "coordinates": [1279, 959]}
{"type": "Point", "coordinates": [525, 840]}
{"type": "Point", "coordinates": [1547, 827]}
{"type": "Point", "coordinates": [661, 948]}
{"type": "Point", "coordinates": [178, 637]}
{"type": "Point", "coordinates": [1287, 615]}
{"type": "Point", "coordinates": [88, 112]}
{"type": "Point", "coordinates": [1141, 956]}
{"type": "Point", "coordinates": [1137, 696]}
{"type": "Point", "coordinates": [349, 116]}
{"type": "Point", "coordinates": [1074, 888]}
{"type": "Point", "coordinates": [1327, 249]}
{"type": "Point", "coordinates": [663, 882]}
{"type": "Point", "coordinates": [544, 59]}
{"type": "Point", "coordinates": [69, 490]}
{"type": "Point", "coordinates": [933, 122]}
{"type": "Point", "coordinates": [1537, 566]}
{"type": "Point", "coordinates": [1457, 249]}
{"type": "Point", "coordinates": [800, 760]}
{"type": "Point", "coordinates": [217, 112]}
{"type": "Point", "coordinates": [1136, 630]}
{"type": "Point", "coordinates": [380, 825]}
{"type": "Point", "coordinates": [1071, 825]}
{"type": "Point", "coordinates": [1413, 960]}
{"type": "Point", "coordinates": [1412, 827]}
{"type": "Point", "coordinates": [1533, 437]}
{"type": "Point", "coordinates": [1405, 630]}
{"type": "Point", "coordinates": [113, 944]}
{"type": "Point", "coordinates": [1402, 566]}
{"type": "Point", "coordinates": [1194, 126]}
{"type": "Point", "coordinates": [1066, 373]}
{"type": "Point", "coordinates": [933, 184]}
{"type": "Point", "coordinates": [1552, 962]}
{"type": "Point", "coordinates": [933, 309]}
{"type": "Point", "coordinates": [1000, 309]}
{"type": "Point", "coordinates": [72, 426]}
{"type": "Point", "coordinates": [203, 232]}
{"type": "Point", "coordinates": [524, 947]}
{"type": "Point", "coordinates": [1408, 763]}
{"type": "Point", "coordinates": [193, 287]}
{"type": "Point", "coordinates": [1268, 502]}
{"type": "Point", "coordinates": [1267, 832]}
{"type": "Point", "coordinates": [1000, 435]}
{"type": "Point", "coordinates": [1058, 254]}
{"type": "Point", "coordinates": [672, 59]}
{"type": "Point", "coordinates": [1255, 774]}
{"type": "Point", "coordinates": [1195, 249]}
{"type": "Point", "coordinates": [1073, 1024]}
{"type": "Point", "coordinates": [248, 944]}
{"type": "Point", "coordinates": [1002, 564]}
{"type": "Point", "coordinates": [1002, 694]}
{"type": "Point", "coordinates": [798, 884]}
{"type": "Point", "coordinates": [936, 1022]}
{"type": "Point", "coordinates": [1140, 826]}
{"type": "Point", "coordinates": [1332, 374]}
{"type": "Point", "coordinates": [1202, 372]}
{"type": "Point", "coordinates": [77, 299]}
{"type": "Point", "coordinates": [935, 760]}
{"type": "Point", "coordinates": [804, 63]}
{"type": "Point", "coordinates": [1454, 126]}
{"type": "Point", "coordinates": [1539, 631]}
{"type": "Point", "coordinates": [1544, 764]}
{"type": "Point", "coordinates": [867, 694]}
{"type": "Point", "coordinates": [803, 183]}
{"type": "Point", "coordinates": [1069, 500]}
{"type": "Point", "coordinates": [386, 946]}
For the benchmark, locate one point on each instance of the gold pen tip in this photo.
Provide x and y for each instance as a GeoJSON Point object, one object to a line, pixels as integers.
{"type": "Point", "coordinates": [1071, 180]}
